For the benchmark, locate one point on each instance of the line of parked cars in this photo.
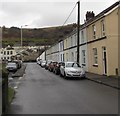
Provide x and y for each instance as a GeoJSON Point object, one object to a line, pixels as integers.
{"type": "Point", "coordinates": [14, 65]}
{"type": "Point", "coordinates": [64, 69]}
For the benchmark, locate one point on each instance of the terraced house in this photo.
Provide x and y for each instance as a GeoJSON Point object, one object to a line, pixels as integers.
{"type": "Point", "coordinates": [98, 43]}
{"type": "Point", "coordinates": [102, 43]}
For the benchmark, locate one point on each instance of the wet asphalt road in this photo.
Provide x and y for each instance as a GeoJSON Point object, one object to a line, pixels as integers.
{"type": "Point", "coordinates": [42, 92]}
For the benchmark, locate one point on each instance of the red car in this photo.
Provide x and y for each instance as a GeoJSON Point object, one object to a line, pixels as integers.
{"type": "Point", "coordinates": [51, 66]}
{"type": "Point", "coordinates": [56, 69]}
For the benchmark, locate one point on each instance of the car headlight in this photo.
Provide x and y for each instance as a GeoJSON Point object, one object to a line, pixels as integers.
{"type": "Point", "coordinates": [68, 71]}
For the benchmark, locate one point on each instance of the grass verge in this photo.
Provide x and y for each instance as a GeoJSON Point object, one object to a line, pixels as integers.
{"type": "Point", "coordinates": [11, 93]}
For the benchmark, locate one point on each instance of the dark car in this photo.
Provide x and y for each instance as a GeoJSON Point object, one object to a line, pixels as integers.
{"type": "Point", "coordinates": [47, 64]}
{"type": "Point", "coordinates": [56, 69]}
{"type": "Point", "coordinates": [51, 66]}
{"type": "Point", "coordinates": [18, 62]}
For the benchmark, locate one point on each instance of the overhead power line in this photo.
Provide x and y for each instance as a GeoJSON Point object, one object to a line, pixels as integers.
{"type": "Point", "coordinates": [69, 15]}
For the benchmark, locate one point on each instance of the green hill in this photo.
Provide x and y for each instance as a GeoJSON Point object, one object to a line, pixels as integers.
{"type": "Point", "coordinates": [36, 36]}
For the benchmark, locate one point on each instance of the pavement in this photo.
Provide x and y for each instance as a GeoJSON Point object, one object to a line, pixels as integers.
{"type": "Point", "coordinates": [112, 81]}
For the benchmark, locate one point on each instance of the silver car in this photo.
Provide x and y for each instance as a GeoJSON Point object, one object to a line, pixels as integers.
{"type": "Point", "coordinates": [11, 66]}
{"type": "Point", "coordinates": [72, 69]}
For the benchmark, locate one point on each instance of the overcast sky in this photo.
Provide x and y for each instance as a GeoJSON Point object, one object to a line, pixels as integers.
{"type": "Point", "coordinates": [45, 13]}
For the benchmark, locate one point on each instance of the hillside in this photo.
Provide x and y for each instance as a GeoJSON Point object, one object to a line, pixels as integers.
{"type": "Point", "coordinates": [36, 36]}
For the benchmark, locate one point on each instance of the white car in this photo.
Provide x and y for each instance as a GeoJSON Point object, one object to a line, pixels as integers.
{"type": "Point", "coordinates": [43, 63]}
{"type": "Point", "coordinates": [38, 61]}
{"type": "Point", "coordinates": [72, 69]}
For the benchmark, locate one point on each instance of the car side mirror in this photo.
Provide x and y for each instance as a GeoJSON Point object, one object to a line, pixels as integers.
{"type": "Point", "coordinates": [62, 66]}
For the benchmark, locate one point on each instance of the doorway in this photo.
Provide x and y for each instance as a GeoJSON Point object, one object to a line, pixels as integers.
{"type": "Point", "coordinates": [104, 61]}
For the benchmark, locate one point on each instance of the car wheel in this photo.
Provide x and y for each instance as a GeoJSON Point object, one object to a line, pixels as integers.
{"type": "Point", "coordinates": [56, 72]}
{"type": "Point", "coordinates": [64, 75]}
{"type": "Point", "coordinates": [60, 74]}
{"type": "Point", "coordinates": [53, 70]}
{"type": "Point", "coordinates": [49, 69]}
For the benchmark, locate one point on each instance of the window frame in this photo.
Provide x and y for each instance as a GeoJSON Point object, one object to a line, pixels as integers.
{"type": "Point", "coordinates": [94, 31]}
{"type": "Point", "coordinates": [82, 37]}
{"type": "Point", "coordinates": [83, 57]}
{"type": "Point", "coordinates": [95, 56]}
{"type": "Point", "coordinates": [11, 52]}
{"type": "Point", "coordinates": [102, 27]}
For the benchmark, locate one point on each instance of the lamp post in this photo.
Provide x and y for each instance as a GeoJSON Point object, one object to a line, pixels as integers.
{"type": "Point", "coordinates": [22, 35]}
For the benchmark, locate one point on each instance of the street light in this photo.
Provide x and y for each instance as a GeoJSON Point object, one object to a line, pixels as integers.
{"type": "Point", "coordinates": [22, 35]}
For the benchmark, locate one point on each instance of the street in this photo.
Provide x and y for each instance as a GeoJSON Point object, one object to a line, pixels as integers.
{"type": "Point", "coordinates": [43, 92]}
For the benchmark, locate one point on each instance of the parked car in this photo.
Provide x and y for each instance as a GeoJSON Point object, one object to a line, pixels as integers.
{"type": "Point", "coordinates": [38, 61]}
{"type": "Point", "coordinates": [51, 66]}
{"type": "Point", "coordinates": [47, 64]}
{"type": "Point", "coordinates": [18, 62]}
{"type": "Point", "coordinates": [11, 66]}
{"type": "Point", "coordinates": [43, 63]}
{"type": "Point", "coordinates": [56, 69]}
{"type": "Point", "coordinates": [72, 69]}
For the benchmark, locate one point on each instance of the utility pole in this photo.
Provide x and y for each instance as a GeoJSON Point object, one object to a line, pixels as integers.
{"type": "Point", "coordinates": [78, 28]}
{"type": "Point", "coordinates": [22, 35]}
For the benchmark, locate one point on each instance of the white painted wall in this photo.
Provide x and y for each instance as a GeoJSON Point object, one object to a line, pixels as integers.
{"type": "Point", "coordinates": [42, 56]}
{"type": "Point", "coordinates": [83, 39]}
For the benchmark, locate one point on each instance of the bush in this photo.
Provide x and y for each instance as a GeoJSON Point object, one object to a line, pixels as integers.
{"type": "Point", "coordinates": [11, 93]}
{"type": "Point", "coordinates": [4, 72]}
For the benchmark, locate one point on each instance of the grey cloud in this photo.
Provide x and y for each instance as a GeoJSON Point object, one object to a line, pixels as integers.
{"type": "Point", "coordinates": [44, 13]}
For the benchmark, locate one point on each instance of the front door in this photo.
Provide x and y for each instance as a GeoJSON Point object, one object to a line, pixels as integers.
{"type": "Point", "coordinates": [104, 60]}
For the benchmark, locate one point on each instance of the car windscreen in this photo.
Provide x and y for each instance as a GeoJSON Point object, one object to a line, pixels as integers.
{"type": "Point", "coordinates": [69, 64]}
{"type": "Point", "coordinates": [72, 65]}
{"type": "Point", "coordinates": [76, 65]}
{"type": "Point", "coordinates": [11, 64]}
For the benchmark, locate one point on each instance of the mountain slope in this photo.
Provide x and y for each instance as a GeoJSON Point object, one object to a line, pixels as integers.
{"type": "Point", "coordinates": [36, 36]}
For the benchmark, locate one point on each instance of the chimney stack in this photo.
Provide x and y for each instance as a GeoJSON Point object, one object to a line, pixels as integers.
{"type": "Point", "coordinates": [89, 15]}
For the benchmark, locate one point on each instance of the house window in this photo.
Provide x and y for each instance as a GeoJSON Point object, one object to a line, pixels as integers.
{"type": "Point", "coordinates": [7, 52]}
{"type": "Point", "coordinates": [11, 52]}
{"type": "Point", "coordinates": [72, 56]}
{"type": "Point", "coordinates": [63, 57]}
{"type": "Point", "coordinates": [1, 52]}
{"type": "Point", "coordinates": [83, 57]}
{"type": "Point", "coordinates": [95, 56]}
{"type": "Point", "coordinates": [4, 52]}
{"type": "Point", "coordinates": [94, 31]}
{"type": "Point", "coordinates": [67, 56]}
{"type": "Point", "coordinates": [103, 27]}
{"type": "Point", "coordinates": [75, 39]}
{"type": "Point", "coordinates": [66, 43]}
{"type": "Point", "coordinates": [82, 36]}
{"type": "Point", "coordinates": [71, 42]}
